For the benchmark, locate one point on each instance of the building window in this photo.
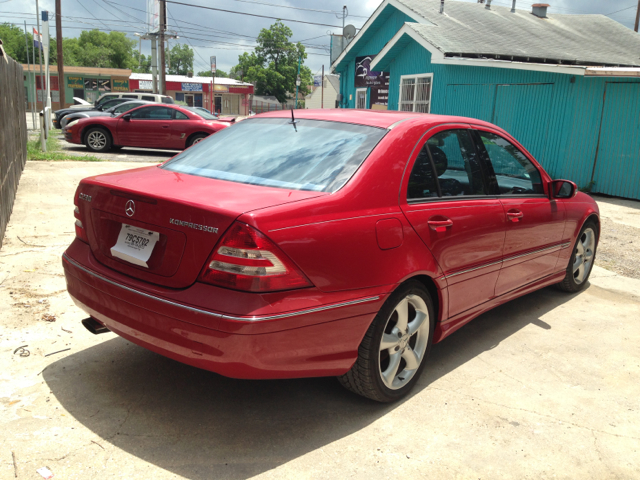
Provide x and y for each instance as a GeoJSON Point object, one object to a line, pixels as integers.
{"type": "Point", "coordinates": [361, 98]}
{"type": "Point", "coordinates": [415, 93]}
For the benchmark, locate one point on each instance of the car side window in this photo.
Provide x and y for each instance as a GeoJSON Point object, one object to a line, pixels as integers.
{"type": "Point", "coordinates": [106, 98]}
{"type": "Point", "coordinates": [167, 100]}
{"type": "Point", "coordinates": [456, 163]}
{"type": "Point", "coordinates": [129, 96]}
{"type": "Point", "coordinates": [149, 98]}
{"type": "Point", "coordinates": [515, 174]}
{"type": "Point", "coordinates": [153, 113]}
{"type": "Point", "coordinates": [125, 107]}
{"type": "Point", "coordinates": [422, 182]}
{"type": "Point", "coordinates": [181, 116]}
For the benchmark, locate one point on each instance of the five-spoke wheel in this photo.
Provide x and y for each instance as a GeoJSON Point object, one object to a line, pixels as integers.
{"type": "Point", "coordinates": [393, 352]}
{"type": "Point", "coordinates": [582, 258]}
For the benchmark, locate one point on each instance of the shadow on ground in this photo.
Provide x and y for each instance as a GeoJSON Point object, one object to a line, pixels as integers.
{"type": "Point", "coordinates": [122, 154]}
{"type": "Point", "coordinates": [198, 424]}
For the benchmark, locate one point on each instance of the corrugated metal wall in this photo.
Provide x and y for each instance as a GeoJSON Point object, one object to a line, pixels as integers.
{"type": "Point", "coordinates": [557, 117]}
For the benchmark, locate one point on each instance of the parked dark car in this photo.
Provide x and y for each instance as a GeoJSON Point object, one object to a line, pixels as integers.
{"type": "Point", "coordinates": [60, 114]}
{"type": "Point", "coordinates": [111, 112]}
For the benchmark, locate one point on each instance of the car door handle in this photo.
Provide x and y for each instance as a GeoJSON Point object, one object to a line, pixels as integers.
{"type": "Point", "coordinates": [165, 126]}
{"type": "Point", "coordinates": [515, 215]}
{"type": "Point", "coordinates": [440, 225]}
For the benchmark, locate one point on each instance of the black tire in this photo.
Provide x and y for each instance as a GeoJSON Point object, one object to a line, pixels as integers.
{"type": "Point", "coordinates": [366, 376]}
{"type": "Point", "coordinates": [116, 147]}
{"type": "Point", "coordinates": [98, 140]}
{"type": "Point", "coordinates": [196, 138]}
{"type": "Point", "coordinates": [574, 281]}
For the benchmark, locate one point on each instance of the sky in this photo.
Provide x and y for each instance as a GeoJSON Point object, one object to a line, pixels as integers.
{"type": "Point", "coordinates": [227, 35]}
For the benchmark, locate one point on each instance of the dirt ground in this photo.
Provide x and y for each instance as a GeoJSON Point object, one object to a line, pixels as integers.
{"type": "Point", "coordinates": [546, 386]}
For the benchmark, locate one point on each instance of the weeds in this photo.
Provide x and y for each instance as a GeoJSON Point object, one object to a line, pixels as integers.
{"type": "Point", "coordinates": [54, 152]}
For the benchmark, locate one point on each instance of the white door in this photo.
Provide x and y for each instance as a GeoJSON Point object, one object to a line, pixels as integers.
{"type": "Point", "coordinates": [361, 98]}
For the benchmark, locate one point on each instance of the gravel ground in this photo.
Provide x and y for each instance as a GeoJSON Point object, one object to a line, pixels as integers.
{"type": "Point", "coordinates": [619, 248]}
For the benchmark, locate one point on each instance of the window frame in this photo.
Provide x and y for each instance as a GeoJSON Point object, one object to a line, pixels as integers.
{"type": "Point", "coordinates": [435, 130]}
{"type": "Point", "coordinates": [415, 77]}
{"type": "Point", "coordinates": [160, 105]}
{"type": "Point", "coordinates": [488, 166]}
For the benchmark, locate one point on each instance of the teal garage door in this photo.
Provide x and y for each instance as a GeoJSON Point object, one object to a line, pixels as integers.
{"type": "Point", "coordinates": [523, 111]}
{"type": "Point", "coordinates": [617, 164]}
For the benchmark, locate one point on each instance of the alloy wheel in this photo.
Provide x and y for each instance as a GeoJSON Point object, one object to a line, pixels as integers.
{"type": "Point", "coordinates": [404, 342]}
{"type": "Point", "coordinates": [97, 140]}
{"type": "Point", "coordinates": [585, 249]}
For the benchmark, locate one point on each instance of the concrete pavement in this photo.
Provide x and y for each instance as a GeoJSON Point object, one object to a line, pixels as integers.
{"type": "Point", "coordinates": [546, 386]}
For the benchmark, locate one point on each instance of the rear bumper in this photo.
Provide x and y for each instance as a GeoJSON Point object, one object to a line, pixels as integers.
{"type": "Point", "coordinates": [315, 341]}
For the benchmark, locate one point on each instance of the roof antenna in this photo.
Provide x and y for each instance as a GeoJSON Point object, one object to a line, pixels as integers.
{"type": "Point", "coordinates": [513, 7]}
{"type": "Point", "coordinates": [441, 6]}
{"type": "Point", "coordinates": [293, 121]}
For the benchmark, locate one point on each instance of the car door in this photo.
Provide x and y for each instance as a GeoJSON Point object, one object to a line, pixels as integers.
{"type": "Point", "coordinates": [146, 127]}
{"type": "Point", "coordinates": [180, 130]}
{"type": "Point", "coordinates": [449, 206]}
{"type": "Point", "coordinates": [534, 223]}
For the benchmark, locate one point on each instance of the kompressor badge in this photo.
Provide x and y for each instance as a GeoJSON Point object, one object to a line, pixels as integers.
{"type": "Point", "coordinates": [195, 226]}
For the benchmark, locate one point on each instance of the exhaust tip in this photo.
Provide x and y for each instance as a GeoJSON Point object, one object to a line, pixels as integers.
{"type": "Point", "coordinates": [94, 326]}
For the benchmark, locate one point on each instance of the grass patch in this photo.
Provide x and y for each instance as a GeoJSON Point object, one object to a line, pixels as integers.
{"type": "Point", "coordinates": [54, 152]}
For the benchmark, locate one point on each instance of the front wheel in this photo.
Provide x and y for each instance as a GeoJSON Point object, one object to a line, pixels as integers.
{"type": "Point", "coordinates": [394, 350]}
{"type": "Point", "coordinates": [582, 258]}
{"type": "Point", "coordinates": [196, 139]}
{"type": "Point", "coordinates": [97, 140]}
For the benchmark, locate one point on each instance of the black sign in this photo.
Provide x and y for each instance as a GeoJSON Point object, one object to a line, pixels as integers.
{"type": "Point", "coordinates": [365, 77]}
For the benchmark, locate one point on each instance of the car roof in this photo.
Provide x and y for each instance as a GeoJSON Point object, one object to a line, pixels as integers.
{"type": "Point", "coordinates": [373, 118]}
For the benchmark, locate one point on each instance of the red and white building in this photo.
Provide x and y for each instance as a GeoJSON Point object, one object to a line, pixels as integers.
{"type": "Point", "coordinates": [230, 97]}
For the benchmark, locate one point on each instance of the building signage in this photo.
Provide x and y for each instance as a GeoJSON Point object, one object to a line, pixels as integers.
{"type": "Point", "coordinates": [317, 80]}
{"type": "Point", "coordinates": [191, 87]}
{"type": "Point", "coordinates": [213, 65]}
{"type": "Point", "coordinates": [120, 84]}
{"type": "Point", "coordinates": [377, 82]}
{"type": "Point", "coordinates": [75, 82]}
{"type": "Point", "coordinates": [145, 85]}
{"type": "Point", "coordinates": [90, 83]}
{"type": "Point", "coordinates": [104, 85]}
{"type": "Point", "coordinates": [153, 15]}
{"type": "Point", "coordinates": [221, 88]}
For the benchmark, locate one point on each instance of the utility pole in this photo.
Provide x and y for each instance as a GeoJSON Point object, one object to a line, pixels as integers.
{"type": "Point", "coordinates": [322, 89]}
{"type": "Point", "coordinates": [163, 27]}
{"type": "Point", "coordinates": [61, 82]}
{"type": "Point", "coordinates": [40, 51]}
{"type": "Point", "coordinates": [154, 63]}
{"type": "Point", "coordinates": [26, 43]}
{"type": "Point", "coordinates": [637, 17]}
{"type": "Point", "coordinates": [298, 80]}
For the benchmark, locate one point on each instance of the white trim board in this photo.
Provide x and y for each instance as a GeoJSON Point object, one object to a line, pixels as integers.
{"type": "Point", "coordinates": [438, 58]}
{"type": "Point", "coordinates": [399, 6]}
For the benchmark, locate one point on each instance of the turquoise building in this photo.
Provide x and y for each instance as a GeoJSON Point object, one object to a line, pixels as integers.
{"type": "Point", "coordinates": [566, 86]}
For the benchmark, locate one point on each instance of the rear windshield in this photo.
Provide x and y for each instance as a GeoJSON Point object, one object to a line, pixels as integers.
{"type": "Point", "coordinates": [202, 113]}
{"type": "Point", "coordinates": [319, 156]}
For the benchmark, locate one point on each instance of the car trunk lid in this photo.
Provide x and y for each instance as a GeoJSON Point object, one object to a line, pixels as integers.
{"type": "Point", "coordinates": [189, 214]}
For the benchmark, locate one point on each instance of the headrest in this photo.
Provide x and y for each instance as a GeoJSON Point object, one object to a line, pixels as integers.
{"type": "Point", "coordinates": [439, 159]}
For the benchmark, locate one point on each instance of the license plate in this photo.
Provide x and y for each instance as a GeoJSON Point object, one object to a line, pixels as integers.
{"type": "Point", "coordinates": [135, 244]}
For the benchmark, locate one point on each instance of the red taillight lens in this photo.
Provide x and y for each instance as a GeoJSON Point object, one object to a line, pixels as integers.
{"type": "Point", "coordinates": [247, 260]}
{"type": "Point", "coordinates": [81, 233]}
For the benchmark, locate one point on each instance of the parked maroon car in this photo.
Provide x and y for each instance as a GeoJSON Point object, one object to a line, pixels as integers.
{"type": "Point", "coordinates": [341, 242]}
{"type": "Point", "coordinates": [160, 126]}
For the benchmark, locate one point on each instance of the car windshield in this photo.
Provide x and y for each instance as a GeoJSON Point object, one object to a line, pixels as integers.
{"type": "Point", "coordinates": [308, 155]}
{"type": "Point", "coordinates": [123, 107]}
{"type": "Point", "coordinates": [202, 113]}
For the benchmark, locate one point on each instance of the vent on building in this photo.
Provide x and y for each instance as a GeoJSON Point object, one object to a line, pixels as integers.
{"type": "Point", "coordinates": [540, 9]}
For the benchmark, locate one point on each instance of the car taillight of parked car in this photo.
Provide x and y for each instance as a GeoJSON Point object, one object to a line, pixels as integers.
{"type": "Point", "coordinates": [81, 232]}
{"type": "Point", "coordinates": [245, 259]}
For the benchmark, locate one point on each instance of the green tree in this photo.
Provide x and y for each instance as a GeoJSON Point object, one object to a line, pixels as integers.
{"type": "Point", "coordinates": [13, 43]}
{"type": "Point", "coordinates": [181, 60]}
{"type": "Point", "coordinates": [273, 66]}
{"type": "Point", "coordinates": [144, 64]}
{"type": "Point", "coordinates": [219, 73]}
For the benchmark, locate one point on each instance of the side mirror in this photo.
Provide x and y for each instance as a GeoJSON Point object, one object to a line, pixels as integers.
{"type": "Point", "coordinates": [126, 117]}
{"type": "Point", "coordinates": [563, 189]}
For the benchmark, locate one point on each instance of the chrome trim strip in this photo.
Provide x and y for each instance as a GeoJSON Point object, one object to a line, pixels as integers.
{"type": "Point", "coordinates": [219, 315]}
{"type": "Point", "coordinates": [473, 269]}
{"type": "Point", "coordinates": [559, 247]}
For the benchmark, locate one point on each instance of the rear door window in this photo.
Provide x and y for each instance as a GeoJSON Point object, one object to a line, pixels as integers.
{"type": "Point", "coordinates": [449, 162]}
{"type": "Point", "coordinates": [149, 98]}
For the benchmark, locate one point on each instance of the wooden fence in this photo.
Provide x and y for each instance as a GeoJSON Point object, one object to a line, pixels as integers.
{"type": "Point", "coordinates": [13, 135]}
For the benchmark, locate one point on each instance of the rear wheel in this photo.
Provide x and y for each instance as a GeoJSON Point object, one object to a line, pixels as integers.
{"type": "Point", "coordinates": [197, 139]}
{"type": "Point", "coordinates": [98, 140]}
{"type": "Point", "coordinates": [582, 258]}
{"type": "Point", "coordinates": [393, 352]}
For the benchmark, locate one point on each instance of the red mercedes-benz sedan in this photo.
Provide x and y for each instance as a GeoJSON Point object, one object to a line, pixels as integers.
{"type": "Point", "coordinates": [169, 127]}
{"type": "Point", "coordinates": [339, 243]}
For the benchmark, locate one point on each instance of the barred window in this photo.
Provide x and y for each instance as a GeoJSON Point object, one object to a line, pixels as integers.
{"type": "Point", "coordinates": [415, 93]}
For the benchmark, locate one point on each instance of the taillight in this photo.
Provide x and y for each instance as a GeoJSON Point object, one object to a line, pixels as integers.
{"type": "Point", "coordinates": [81, 233]}
{"type": "Point", "coordinates": [245, 259]}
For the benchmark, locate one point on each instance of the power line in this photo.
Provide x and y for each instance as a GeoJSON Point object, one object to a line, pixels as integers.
{"type": "Point", "coordinates": [618, 11]}
{"type": "Point", "coordinates": [298, 8]}
{"type": "Point", "coordinates": [251, 14]}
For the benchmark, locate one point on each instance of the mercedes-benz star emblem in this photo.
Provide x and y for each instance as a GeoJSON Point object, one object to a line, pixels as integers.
{"type": "Point", "coordinates": [130, 208]}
